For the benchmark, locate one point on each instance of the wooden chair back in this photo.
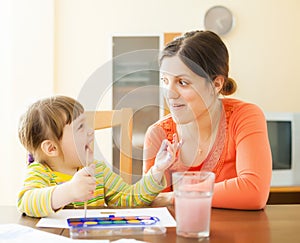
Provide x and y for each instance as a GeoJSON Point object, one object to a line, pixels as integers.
{"type": "Point", "coordinates": [123, 119]}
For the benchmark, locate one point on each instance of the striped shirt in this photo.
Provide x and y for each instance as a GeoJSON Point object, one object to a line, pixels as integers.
{"type": "Point", "coordinates": [35, 197]}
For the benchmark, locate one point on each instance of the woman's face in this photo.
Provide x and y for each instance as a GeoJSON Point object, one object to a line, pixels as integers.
{"type": "Point", "coordinates": [187, 94]}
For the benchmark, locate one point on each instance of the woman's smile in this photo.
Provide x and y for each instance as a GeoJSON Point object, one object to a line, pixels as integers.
{"type": "Point", "coordinates": [176, 106]}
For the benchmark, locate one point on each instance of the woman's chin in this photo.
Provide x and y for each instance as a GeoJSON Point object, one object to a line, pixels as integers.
{"type": "Point", "coordinates": [181, 120]}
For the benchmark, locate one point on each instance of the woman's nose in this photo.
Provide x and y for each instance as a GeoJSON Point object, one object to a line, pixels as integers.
{"type": "Point", "coordinates": [171, 92]}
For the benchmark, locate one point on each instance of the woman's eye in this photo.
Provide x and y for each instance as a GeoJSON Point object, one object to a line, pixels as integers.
{"type": "Point", "coordinates": [183, 83]}
{"type": "Point", "coordinates": [164, 80]}
{"type": "Point", "coordinates": [80, 126]}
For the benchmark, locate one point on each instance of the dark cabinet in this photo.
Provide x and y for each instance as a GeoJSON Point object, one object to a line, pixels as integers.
{"type": "Point", "coordinates": [136, 84]}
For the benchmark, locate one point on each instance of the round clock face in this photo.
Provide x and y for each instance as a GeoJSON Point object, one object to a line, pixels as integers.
{"type": "Point", "coordinates": [218, 19]}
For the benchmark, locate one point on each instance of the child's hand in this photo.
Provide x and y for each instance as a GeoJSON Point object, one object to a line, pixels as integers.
{"type": "Point", "coordinates": [167, 154]}
{"type": "Point", "coordinates": [83, 184]}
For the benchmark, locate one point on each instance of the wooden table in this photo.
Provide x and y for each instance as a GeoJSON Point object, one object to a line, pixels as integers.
{"type": "Point", "coordinates": [276, 223]}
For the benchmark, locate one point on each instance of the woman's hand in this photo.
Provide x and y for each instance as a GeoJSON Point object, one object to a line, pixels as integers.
{"type": "Point", "coordinates": [163, 199]}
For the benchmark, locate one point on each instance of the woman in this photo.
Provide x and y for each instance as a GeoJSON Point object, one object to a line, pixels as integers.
{"type": "Point", "coordinates": [223, 135]}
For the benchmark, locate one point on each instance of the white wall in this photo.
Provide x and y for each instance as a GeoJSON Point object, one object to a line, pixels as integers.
{"type": "Point", "coordinates": [264, 45]}
{"type": "Point", "coordinates": [67, 40]}
{"type": "Point", "coordinates": [26, 61]}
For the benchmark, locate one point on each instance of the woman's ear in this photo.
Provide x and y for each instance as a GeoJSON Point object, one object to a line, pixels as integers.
{"type": "Point", "coordinates": [50, 148]}
{"type": "Point", "coordinates": [218, 83]}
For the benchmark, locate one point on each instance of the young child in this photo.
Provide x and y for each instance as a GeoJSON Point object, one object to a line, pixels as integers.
{"type": "Point", "coordinates": [55, 133]}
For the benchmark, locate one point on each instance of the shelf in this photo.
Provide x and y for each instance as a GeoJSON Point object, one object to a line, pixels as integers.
{"type": "Point", "coordinates": [285, 189]}
{"type": "Point", "coordinates": [284, 195]}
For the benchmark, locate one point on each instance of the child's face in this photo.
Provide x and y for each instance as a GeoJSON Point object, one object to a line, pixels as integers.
{"type": "Point", "coordinates": [76, 143]}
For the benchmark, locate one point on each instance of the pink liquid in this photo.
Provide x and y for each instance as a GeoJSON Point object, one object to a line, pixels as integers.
{"type": "Point", "coordinates": [193, 210]}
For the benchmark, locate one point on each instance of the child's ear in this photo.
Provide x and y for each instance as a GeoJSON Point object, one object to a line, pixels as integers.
{"type": "Point", "coordinates": [218, 83]}
{"type": "Point", "coordinates": [50, 148]}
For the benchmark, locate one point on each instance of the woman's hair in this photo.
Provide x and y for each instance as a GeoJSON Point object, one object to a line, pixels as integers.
{"type": "Point", "coordinates": [46, 119]}
{"type": "Point", "coordinates": [205, 54]}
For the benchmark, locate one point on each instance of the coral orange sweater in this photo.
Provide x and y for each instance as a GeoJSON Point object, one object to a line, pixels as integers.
{"type": "Point", "coordinates": [241, 156]}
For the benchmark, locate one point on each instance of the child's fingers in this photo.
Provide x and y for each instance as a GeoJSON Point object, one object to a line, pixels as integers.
{"type": "Point", "coordinates": [91, 181]}
{"type": "Point", "coordinates": [163, 146]}
{"type": "Point", "coordinates": [179, 146]}
{"type": "Point", "coordinates": [175, 140]}
{"type": "Point", "coordinates": [87, 170]}
{"type": "Point", "coordinates": [170, 148]}
{"type": "Point", "coordinates": [176, 144]}
{"type": "Point", "coordinates": [91, 169]}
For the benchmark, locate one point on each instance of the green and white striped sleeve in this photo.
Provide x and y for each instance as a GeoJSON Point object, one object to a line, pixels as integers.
{"type": "Point", "coordinates": [119, 193]}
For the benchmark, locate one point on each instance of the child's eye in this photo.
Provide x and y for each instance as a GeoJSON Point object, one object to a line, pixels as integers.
{"type": "Point", "coordinates": [80, 126]}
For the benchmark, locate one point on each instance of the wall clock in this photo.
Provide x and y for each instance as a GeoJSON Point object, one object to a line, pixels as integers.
{"type": "Point", "coordinates": [218, 19]}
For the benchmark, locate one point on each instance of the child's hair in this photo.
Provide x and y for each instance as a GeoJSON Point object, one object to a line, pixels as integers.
{"type": "Point", "coordinates": [46, 119]}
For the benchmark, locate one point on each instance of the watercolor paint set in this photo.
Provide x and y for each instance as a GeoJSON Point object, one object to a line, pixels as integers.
{"type": "Point", "coordinates": [95, 227]}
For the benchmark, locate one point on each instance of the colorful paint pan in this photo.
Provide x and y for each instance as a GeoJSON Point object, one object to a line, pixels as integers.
{"type": "Point", "coordinates": [111, 220]}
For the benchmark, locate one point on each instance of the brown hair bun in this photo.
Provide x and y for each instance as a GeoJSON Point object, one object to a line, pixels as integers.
{"type": "Point", "coordinates": [229, 87]}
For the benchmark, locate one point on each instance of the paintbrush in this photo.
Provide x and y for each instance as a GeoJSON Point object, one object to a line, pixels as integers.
{"type": "Point", "coordinates": [86, 165]}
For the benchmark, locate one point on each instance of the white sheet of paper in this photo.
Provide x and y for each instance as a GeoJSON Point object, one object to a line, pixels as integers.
{"type": "Point", "coordinates": [59, 219]}
{"type": "Point", "coordinates": [15, 233]}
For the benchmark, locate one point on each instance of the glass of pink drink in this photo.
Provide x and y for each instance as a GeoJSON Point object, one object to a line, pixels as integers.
{"type": "Point", "coordinates": [193, 195]}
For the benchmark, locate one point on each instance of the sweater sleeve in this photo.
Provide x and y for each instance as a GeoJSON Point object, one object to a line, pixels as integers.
{"type": "Point", "coordinates": [153, 139]}
{"type": "Point", "coordinates": [248, 143]}
{"type": "Point", "coordinates": [119, 193]}
{"type": "Point", "coordinates": [34, 199]}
